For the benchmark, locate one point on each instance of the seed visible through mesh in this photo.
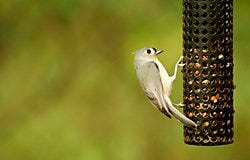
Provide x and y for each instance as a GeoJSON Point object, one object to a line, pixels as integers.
{"type": "Point", "coordinates": [208, 73]}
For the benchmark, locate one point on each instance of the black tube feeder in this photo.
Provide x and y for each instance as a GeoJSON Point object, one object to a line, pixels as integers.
{"type": "Point", "coordinates": [208, 73]}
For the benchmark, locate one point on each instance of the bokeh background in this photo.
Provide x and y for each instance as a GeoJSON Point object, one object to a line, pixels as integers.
{"type": "Point", "coordinates": [68, 88]}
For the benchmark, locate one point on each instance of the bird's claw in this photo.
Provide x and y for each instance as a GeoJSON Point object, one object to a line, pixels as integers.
{"type": "Point", "coordinates": [181, 64]}
{"type": "Point", "coordinates": [179, 104]}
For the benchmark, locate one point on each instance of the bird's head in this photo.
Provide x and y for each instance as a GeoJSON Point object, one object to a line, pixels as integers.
{"type": "Point", "coordinates": [147, 53]}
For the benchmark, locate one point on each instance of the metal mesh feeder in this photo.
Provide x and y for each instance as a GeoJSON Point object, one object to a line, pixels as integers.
{"type": "Point", "coordinates": [208, 73]}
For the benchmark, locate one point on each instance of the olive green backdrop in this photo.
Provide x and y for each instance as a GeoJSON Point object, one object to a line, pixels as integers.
{"type": "Point", "coordinates": [68, 88]}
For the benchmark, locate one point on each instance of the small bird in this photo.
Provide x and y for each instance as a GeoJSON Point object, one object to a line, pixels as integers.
{"type": "Point", "coordinates": [156, 83]}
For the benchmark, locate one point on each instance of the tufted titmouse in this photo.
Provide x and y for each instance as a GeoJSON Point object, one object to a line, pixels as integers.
{"type": "Point", "coordinates": [156, 83]}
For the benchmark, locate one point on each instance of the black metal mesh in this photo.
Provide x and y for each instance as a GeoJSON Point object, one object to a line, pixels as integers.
{"type": "Point", "coordinates": [208, 73]}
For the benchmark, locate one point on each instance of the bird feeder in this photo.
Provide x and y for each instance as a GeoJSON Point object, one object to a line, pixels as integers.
{"type": "Point", "coordinates": [208, 71]}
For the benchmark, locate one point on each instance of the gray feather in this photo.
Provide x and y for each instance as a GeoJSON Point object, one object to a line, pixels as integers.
{"type": "Point", "coordinates": [150, 81]}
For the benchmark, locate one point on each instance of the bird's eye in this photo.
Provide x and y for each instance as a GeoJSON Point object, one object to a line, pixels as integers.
{"type": "Point", "coordinates": [148, 51]}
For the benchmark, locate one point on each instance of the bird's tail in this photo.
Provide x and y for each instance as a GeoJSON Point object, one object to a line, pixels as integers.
{"type": "Point", "coordinates": [177, 114]}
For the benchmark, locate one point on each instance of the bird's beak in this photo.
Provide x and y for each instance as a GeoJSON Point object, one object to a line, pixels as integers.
{"type": "Point", "coordinates": [158, 52]}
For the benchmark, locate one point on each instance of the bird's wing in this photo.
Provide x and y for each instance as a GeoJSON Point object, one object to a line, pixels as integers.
{"type": "Point", "coordinates": [153, 87]}
{"type": "Point", "coordinates": [166, 80]}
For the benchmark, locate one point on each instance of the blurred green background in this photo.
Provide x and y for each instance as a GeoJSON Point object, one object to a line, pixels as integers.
{"type": "Point", "coordinates": [68, 88]}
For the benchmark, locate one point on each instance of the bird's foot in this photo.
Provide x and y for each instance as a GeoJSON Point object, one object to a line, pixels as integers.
{"type": "Point", "coordinates": [179, 104]}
